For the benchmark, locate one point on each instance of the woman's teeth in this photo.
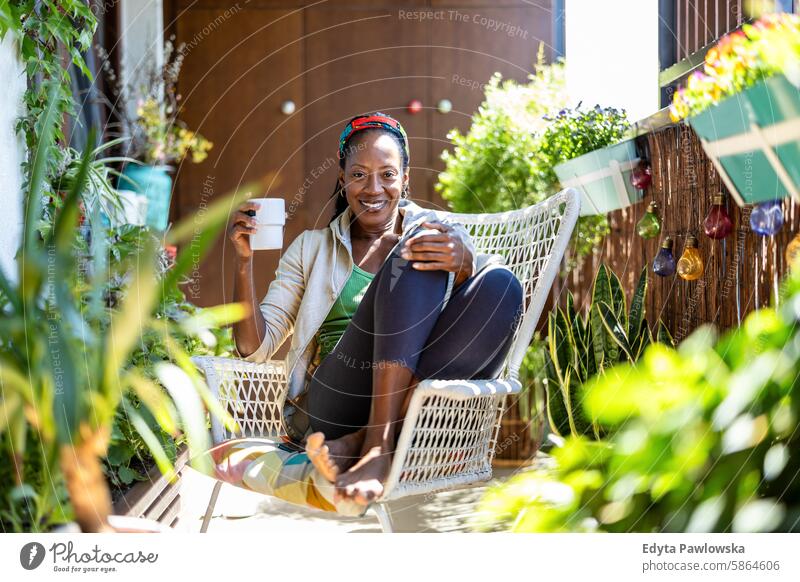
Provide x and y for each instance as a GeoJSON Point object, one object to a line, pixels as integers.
{"type": "Point", "coordinates": [374, 205]}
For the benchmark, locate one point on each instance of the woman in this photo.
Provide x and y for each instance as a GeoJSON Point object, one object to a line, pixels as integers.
{"type": "Point", "coordinates": [389, 294]}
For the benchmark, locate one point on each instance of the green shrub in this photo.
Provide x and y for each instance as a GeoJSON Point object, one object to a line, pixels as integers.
{"type": "Point", "coordinates": [505, 161]}
{"type": "Point", "coordinates": [703, 438]}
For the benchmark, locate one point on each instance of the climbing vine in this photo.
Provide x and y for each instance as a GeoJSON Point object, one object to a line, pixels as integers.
{"type": "Point", "coordinates": [50, 35]}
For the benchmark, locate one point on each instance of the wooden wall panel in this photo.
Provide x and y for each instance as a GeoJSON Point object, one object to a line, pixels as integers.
{"type": "Point", "coordinates": [358, 61]}
{"type": "Point", "coordinates": [236, 74]}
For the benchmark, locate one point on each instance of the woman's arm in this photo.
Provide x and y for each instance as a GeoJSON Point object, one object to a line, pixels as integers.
{"type": "Point", "coordinates": [249, 332]}
{"type": "Point", "coordinates": [269, 323]}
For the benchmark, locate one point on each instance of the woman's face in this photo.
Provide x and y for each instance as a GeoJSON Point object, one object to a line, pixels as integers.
{"type": "Point", "coordinates": [374, 179]}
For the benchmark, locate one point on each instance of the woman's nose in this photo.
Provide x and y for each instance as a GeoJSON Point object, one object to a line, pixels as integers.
{"type": "Point", "coordinates": [373, 183]}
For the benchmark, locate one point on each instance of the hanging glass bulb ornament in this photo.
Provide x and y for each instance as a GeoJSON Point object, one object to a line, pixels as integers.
{"type": "Point", "coordinates": [766, 218]}
{"type": "Point", "coordinates": [717, 224]}
{"type": "Point", "coordinates": [793, 250]}
{"type": "Point", "coordinates": [690, 265]}
{"type": "Point", "coordinates": [649, 226]}
{"type": "Point", "coordinates": [664, 263]}
{"type": "Point", "coordinates": [642, 175]}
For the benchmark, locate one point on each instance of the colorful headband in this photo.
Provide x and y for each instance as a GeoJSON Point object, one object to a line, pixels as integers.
{"type": "Point", "coordinates": [367, 121]}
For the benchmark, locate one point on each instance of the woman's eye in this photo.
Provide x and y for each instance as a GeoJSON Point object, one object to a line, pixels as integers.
{"type": "Point", "coordinates": [389, 174]}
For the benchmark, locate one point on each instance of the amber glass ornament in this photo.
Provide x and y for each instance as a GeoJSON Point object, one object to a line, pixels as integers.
{"type": "Point", "coordinates": [690, 265]}
{"type": "Point", "coordinates": [792, 250]}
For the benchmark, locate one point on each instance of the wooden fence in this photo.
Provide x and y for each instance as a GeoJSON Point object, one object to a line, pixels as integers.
{"type": "Point", "coordinates": [742, 272]}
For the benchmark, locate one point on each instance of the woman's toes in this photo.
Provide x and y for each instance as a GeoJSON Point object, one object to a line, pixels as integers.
{"type": "Point", "coordinates": [319, 455]}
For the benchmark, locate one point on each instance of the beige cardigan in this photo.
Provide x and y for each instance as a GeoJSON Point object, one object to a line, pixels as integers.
{"type": "Point", "coordinates": [309, 278]}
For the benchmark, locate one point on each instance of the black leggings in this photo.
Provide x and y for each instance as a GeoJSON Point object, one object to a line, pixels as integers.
{"type": "Point", "coordinates": [401, 320]}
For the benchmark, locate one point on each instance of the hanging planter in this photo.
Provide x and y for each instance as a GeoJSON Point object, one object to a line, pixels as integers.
{"type": "Point", "coordinates": [753, 140]}
{"type": "Point", "coordinates": [745, 108]}
{"type": "Point", "coordinates": [603, 178]}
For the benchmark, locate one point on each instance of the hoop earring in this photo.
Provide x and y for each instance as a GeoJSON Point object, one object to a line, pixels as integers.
{"type": "Point", "coordinates": [404, 193]}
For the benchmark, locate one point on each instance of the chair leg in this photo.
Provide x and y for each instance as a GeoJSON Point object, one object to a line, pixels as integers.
{"type": "Point", "coordinates": [211, 503]}
{"type": "Point", "coordinates": [381, 511]}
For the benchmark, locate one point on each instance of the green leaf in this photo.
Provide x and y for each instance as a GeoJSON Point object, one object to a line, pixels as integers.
{"type": "Point", "coordinates": [559, 338]}
{"type": "Point", "coordinates": [618, 297]}
{"type": "Point", "coordinates": [638, 307]}
{"type": "Point", "coordinates": [10, 405]}
{"type": "Point", "coordinates": [119, 454]}
{"type": "Point", "coordinates": [128, 325]}
{"type": "Point", "coordinates": [68, 404]}
{"type": "Point", "coordinates": [152, 442]}
{"type": "Point", "coordinates": [601, 292]}
{"type": "Point", "coordinates": [156, 401]}
{"type": "Point", "coordinates": [67, 219]}
{"type": "Point", "coordinates": [127, 475]}
{"type": "Point", "coordinates": [41, 154]}
{"type": "Point", "coordinates": [615, 330]}
{"type": "Point", "coordinates": [557, 415]}
{"type": "Point", "coordinates": [606, 350]}
{"type": "Point", "coordinates": [641, 340]}
{"type": "Point", "coordinates": [183, 392]}
{"type": "Point", "coordinates": [188, 368]}
{"type": "Point", "coordinates": [663, 336]}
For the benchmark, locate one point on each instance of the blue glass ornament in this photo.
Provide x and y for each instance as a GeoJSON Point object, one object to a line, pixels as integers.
{"type": "Point", "coordinates": [766, 218]}
{"type": "Point", "coordinates": [664, 263]}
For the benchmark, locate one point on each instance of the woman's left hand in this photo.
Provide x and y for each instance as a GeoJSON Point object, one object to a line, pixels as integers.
{"type": "Point", "coordinates": [442, 251]}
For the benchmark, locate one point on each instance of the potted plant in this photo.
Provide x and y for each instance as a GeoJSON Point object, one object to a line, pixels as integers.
{"type": "Point", "coordinates": [64, 367]}
{"type": "Point", "coordinates": [586, 154]}
{"type": "Point", "coordinates": [745, 107]}
{"type": "Point", "coordinates": [158, 138]}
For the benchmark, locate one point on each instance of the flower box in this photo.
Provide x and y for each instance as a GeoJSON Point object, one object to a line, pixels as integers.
{"type": "Point", "coordinates": [753, 140]}
{"type": "Point", "coordinates": [603, 178]}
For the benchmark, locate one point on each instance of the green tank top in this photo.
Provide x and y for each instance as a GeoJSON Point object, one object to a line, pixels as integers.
{"type": "Point", "coordinates": [342, 311]}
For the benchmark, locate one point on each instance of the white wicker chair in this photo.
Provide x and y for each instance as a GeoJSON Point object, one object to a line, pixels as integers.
{"type": "Point", "coordinates": [451, 427]}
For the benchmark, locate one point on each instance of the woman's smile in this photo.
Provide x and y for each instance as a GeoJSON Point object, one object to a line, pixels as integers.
{"type": "Point", "coordinates": [374, 205]}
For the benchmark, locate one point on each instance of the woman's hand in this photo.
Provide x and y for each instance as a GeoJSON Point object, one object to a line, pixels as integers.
{"type": "Point", "coordinates": [442, 251]}
{"type": "Point", "coordinates": [242, 226]}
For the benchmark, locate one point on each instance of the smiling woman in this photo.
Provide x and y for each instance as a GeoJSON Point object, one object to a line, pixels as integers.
{"type": "Point", "coordinates": [387, 295]}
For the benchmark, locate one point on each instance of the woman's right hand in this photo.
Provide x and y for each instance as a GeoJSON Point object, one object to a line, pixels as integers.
{"type": "Point", "coordinates": [242, 226]}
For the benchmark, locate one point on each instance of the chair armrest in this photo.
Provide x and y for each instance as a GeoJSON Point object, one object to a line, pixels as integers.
{"type": "Point", "coordinates": [448, 435]}
{"type": "Point", "coordinates": [461, 389]}
{"type": "Point", "coordinates": [253, 393]}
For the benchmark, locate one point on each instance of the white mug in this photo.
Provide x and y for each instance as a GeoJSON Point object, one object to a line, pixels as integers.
{"type": "Point", "coordinates": [270, 220]}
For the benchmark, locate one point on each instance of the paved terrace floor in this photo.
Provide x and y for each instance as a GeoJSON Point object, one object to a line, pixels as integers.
{"type": "Point", "coordinates": [239, 511]}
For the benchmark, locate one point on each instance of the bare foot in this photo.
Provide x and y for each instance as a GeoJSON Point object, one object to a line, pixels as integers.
{"type": "Point", "coordinates": [333, 457]}
{"type": "Point", "coordinates": [364, 481]}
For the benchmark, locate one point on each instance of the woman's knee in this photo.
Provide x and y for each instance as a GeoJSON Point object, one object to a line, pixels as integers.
{"type": "Point", "coordinates": [499, 286]}
{"type": "Point", "coordinates": [398, 275]}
